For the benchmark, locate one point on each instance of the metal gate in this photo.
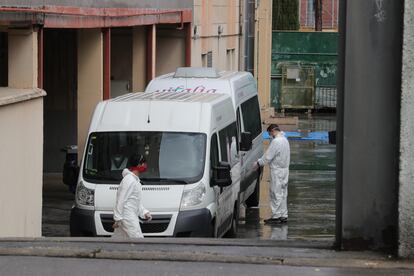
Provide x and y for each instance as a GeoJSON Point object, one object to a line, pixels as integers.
{"type": "Point", "coordinates": [297, 86]}
{"type": "Point", "coordinates": [314, 52]}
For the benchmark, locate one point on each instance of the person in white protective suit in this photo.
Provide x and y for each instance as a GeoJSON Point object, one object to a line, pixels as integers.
{"type": "Point", "coordinates": [128, 206]}
{"type": "Point", "coordinates": [277, 156]}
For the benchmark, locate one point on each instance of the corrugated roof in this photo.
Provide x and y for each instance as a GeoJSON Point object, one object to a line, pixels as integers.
{"type": "Point", "coordinates": [168, 96]}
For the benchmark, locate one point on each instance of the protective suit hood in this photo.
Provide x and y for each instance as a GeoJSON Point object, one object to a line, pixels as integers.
{"type": "Point", "coordinates": [125, 172]}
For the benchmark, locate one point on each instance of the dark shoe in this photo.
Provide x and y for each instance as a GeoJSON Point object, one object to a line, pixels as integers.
{"type": "Point", "coordinates": [276, 220]}
{"type": "Point", "coordinates": [283, 220]}
{"type": "Point", "coordinates": [272, 220]}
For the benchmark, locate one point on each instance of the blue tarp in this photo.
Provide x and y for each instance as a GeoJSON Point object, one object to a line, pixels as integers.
{"type": "Point", "coordinates": [311, 136]}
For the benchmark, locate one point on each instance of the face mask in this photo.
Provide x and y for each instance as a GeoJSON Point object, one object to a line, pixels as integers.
{"type": "Point", "coordinates": [140, 168]}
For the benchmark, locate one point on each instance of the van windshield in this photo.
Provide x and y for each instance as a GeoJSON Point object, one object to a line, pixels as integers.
{"type": "Point", "coordinates": [172, 157]}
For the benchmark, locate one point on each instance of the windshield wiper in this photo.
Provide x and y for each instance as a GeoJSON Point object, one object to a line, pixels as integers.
{"type": "Point", "coordinates": [161, 179]}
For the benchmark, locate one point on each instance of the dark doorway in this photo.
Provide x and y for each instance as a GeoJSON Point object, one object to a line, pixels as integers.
{"type": "Point", "coordinates": [121, 61]}
{"type": "Point", "coordinates": [60, 104]}
{"type": "Point", "coordinates": [3, 59]}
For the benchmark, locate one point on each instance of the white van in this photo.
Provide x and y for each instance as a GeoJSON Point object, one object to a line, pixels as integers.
{"type": "Point", "coordinates": [241, 86]}
{"type": "Point", "coordinates": [191, 145]}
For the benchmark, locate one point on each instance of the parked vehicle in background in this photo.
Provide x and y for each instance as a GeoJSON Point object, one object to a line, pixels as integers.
{"type": "Point", "coordinates": [242, 88]}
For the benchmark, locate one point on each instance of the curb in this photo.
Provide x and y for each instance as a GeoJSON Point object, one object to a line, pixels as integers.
{"type": "Point", "coordinates": [157, 255]}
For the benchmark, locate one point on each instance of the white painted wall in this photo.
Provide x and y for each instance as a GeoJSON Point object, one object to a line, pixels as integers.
{"type": "Point", "coordinates": [21, 163]}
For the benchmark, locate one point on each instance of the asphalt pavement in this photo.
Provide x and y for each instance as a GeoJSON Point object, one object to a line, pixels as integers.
{"type": "Point", "coordinates": [37, 266]}
{"type": "Point", "coordinates": [96, 256]}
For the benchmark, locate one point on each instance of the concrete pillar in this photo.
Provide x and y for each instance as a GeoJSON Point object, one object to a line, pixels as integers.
{"type": "Point", "coordinates": [139, 59]}
{"type": "Point", "coordinates": [106, 63]}
{"type": "Point", "coordinates": [23, 58]}
{"type": "Point", "coordinates": [170, 51]}
{"type": "Point", "coordinates": [151, 52]}
{"type": "Point", "coordinates": [263, 56]}
{"type": "Point", "coordinates": [90, 80]}
{"type": "Point", "coordinates": [371, 123]}
{"type": "Point", "coordinates": [406, 193]}
{"type": "Point", "coordinates": [188, 43]}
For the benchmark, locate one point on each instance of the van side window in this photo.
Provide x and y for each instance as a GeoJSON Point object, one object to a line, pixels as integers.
{"type": "Point", "coordinates": [229, 143]}
{"type": "Point", "coordinates": [214, 156]}
{"type": "Point", "coordinates": [251, 116]}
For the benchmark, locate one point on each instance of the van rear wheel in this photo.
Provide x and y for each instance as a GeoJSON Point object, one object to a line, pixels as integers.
{"type": "Point", "coordinates": [232, 233]}
{"type": "Point", "coordinates": [213, 229]}
{"type": "Point", "coordinates": [253, 199]}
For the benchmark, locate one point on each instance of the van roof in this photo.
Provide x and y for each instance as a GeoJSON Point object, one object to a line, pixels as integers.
{"type": "Point", "coordinates": [168, 96]}
{"type": "Point", "coordinates": [163, 111]}
{"type": "Point", "coordinates": [203, 73]}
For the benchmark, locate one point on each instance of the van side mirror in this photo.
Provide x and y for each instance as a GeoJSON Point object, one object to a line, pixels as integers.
{"type": "Point", "coordinates": [222, 175]}
{"type": "Point", "coordinates": [246, 141]}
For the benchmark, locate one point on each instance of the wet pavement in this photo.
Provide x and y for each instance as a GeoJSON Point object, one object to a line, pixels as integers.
{"type": "Point", "coordinates": [57, 203]}
{"type": "Point", "coordinates": [311, 192]}
{"type": "Point", "coordinates": [311, 199]}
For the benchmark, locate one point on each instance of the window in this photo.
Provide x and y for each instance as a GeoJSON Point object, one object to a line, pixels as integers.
{"type": "Point", "coordinates": [238, 123]}
{"type": "Point", "coordinates": [207, 59]}
{"type": "Point", "coordinates": [171, 156]}
{"type": "Point", "coordinates": [229, 143]}
{"type": "Point", "coordinates": [310, 14]}
{"type": "Point", "coordinates": [251, 116]}
{"type": "Point", "coordinates": [230, 59]}
{"type": "Point", "coordinates": [214, 156]}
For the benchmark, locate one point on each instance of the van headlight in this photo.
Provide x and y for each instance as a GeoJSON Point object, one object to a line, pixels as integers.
{"type": "Point", "coordinates": [85, 196]}
{"type": "Point", "coordinates": [194, 196]}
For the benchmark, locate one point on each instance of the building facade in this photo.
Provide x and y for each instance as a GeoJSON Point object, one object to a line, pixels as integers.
{"type": "Point", "coordinates": [330, 14]}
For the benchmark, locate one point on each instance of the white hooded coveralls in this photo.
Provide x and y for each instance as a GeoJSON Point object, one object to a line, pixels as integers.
{"type": "Point", "coordinates": [129, 206]}
{"type": "Point", "coordinates": [278, 158]}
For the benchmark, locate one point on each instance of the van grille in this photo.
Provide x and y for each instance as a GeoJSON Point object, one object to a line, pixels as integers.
{"type": "Point", "coordinates": [158, 224]}
{"type": "Point", "coordinates": [155, 188]}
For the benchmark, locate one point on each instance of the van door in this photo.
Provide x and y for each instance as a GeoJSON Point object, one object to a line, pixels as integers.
{"type": "Point", "coordinates": [228, 142]}
{"type": "Point", "coordinates": [214, 162]}
{"type": "Point", "coordinates": [242, 154]}
{"type": "Point", "coordinates": [250, 117]}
